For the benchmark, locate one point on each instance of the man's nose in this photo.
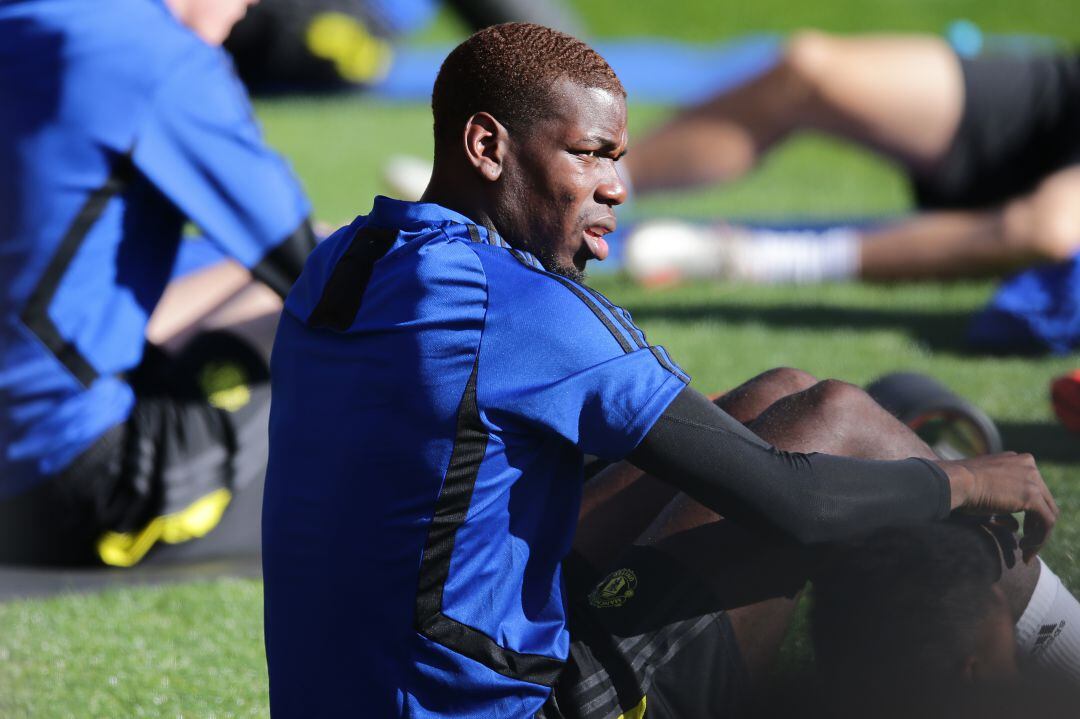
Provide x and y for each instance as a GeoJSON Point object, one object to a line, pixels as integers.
{"type": "Point", "coordinates": [612, 189]}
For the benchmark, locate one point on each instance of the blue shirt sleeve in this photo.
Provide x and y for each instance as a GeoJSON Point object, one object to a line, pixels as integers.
{"type": "Point", "coordinates": [557, 358]}
{"type": "Point", "coordinates": [200, 146]}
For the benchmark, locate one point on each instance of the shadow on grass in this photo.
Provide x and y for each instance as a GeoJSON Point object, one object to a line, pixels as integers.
{"type": "Point", "coordinates": [1048, 441]}
{"type": "Point", "coordinates": [938, 330]}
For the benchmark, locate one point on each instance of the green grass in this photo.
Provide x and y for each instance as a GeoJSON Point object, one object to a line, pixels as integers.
{"type": "Point", "coordinates": [182, 651]}
{"type": "Point", "coordinates": [196, 650]}
{"type": "Point", "coordinates": [709, 20]}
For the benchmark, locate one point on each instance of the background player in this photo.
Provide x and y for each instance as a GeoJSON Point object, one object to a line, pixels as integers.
{"type": "Point", "coordinates": [320, 45]}
{"type": "Point", "coordinates": [990, 145]}
{"type": "Point", "coordinates": [121, 120]}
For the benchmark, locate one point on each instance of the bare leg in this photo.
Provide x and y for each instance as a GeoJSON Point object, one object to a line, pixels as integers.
{"type": "Point", "coordinates": [760, 590]}
{"type": "Point", "coordinates": [899, 95]}
{"type": "Point", "coordinates": [621, 501]}
{"type": "Point", "coordinates": [832, 417]}
{"type": "Point", "coordinates": [1041, 227]}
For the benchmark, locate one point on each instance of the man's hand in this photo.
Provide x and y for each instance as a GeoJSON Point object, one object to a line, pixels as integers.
{"type": "Point", "coordinates": [1005, 483]}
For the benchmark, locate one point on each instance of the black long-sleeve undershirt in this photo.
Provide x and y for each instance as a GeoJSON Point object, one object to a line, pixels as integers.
{"type": "Point", "coordinates": [282, 265]}
{"type": "Point", "coordinates": [706, 453]}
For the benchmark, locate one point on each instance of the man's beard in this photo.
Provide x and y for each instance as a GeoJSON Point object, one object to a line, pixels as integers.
{"type": "Point", "coordinates": [551, 264]}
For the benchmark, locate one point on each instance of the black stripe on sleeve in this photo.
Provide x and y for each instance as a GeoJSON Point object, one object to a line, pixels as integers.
{"type": "Point", "coordinates": [581, 294]}
{"type": "Point", "coordinates": [584, 297]}
{"type": "Point", "coordinates": [35, 314]}
{"type": "Point", "coordinates": [638, 335]}
{"type": "Point", "coordinates": [470, 444]}
{"type": "Point", "coordinates": [474, 233]}
{"type": "Point", "coordinates": [634, 332]}
{"type": "Point", "coordinates": [344, 291]}
{"type": "Point", "coordinates": [667, 364]}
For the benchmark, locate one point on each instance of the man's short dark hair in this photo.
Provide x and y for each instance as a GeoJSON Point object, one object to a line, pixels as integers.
{"type": "Point", "coordinates": [509, 70]}
{"type": "Point", "coordinates": [904, 605]}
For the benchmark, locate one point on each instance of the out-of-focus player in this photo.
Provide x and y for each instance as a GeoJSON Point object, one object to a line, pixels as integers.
{"type": "Point", "coordinates": [990, 145]}
{"type": "Point", "coordinates": [132, 399]}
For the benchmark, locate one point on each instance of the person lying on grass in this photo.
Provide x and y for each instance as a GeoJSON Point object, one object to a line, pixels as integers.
{"type": "Point", "coordinates": [990, 145]}
{"type": "Point", "coordinates": [440, 370]}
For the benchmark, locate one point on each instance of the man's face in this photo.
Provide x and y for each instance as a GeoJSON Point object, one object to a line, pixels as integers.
{"type": "Point", "coordinates": [561, 182]}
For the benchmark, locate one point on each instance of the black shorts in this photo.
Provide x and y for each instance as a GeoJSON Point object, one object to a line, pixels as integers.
{"type": "Point", "coordinates": [647, 635]}
{"type": "Point", "coordinates": [1021, 122]}
{"type": "Point", "coordinates": [195, 437]}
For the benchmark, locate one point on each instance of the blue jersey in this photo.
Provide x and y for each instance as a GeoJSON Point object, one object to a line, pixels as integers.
{"type": "Point", "coordinates": [434, 392]}
{"type": "Point", "coordinates": [116, 124]}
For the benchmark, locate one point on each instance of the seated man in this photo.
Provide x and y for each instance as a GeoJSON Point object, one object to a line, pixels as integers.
{"type": "Point", "coordinates": [122, 120]}
{"type": "Point", "coordinates": [439, 373]}
{"type": "Point", "coordinates": [991, 146]}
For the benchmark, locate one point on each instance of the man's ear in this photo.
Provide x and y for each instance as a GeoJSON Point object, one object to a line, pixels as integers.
{"type": "Point", "coordinates": [486, 143]}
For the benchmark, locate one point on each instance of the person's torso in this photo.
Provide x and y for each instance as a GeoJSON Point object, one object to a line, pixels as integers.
{"type": "Point", "coordinates": [413, 533]}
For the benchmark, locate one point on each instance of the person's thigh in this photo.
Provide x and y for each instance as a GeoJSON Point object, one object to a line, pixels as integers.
{"type": "Point", "coordinates": [647, 639]}
{"type": "Point", "coordinates": [621, 500]}
{"type": "Point", "coordinates": [659, 630]}
{"type": "Point", "coordinates": [899, 94]}
{"type": "Point", "coordinates": [196, 442]}
{"type": "Point", "coordinates": [755, 575]}
{"type": "Point", "coordinates": [187, 464]}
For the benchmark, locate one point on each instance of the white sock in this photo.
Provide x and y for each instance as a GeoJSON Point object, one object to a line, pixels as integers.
{"type": "Point", "coordinates": [1048, 633]}
{"type": "Point", "coordinates": [406, 177]}
{"type": "Point", "coordinates": [673, 249]}
{"type": "Point", "coordinates": [796, 256]}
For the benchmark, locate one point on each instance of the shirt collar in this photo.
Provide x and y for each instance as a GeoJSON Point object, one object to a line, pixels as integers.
{"type": "Point", "coordinates": [388, 212]}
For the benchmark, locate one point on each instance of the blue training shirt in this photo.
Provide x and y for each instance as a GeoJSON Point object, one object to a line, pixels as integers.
{"type": "Point", "coordinates": [433, 394]}
{"type": "Point", "coordinates": [116, 124]}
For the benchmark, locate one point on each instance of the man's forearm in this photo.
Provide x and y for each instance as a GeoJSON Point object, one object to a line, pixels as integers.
{"type": "Point", "coordinates": [812, 497]}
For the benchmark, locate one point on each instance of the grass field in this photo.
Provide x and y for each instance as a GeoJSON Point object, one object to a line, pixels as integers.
{"type": "Point", "coordinates": [196, 650]}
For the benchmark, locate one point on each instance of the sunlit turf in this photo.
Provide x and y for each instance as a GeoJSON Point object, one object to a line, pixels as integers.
{"type": "Point", "coordinates": [196, 650]}
{"type": "Point", "coordinates": [193, 650]}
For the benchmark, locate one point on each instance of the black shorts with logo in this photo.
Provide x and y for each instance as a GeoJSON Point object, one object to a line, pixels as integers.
{"type": "Point", "coordinates": [647, 639]}
{"type": "Point", "coordinates": [1021, 122]}
{"type": "Point", "coordinates": [195, 438]}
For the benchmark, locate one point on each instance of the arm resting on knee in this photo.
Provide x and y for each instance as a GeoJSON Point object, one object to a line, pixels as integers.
{"type": "Point", "coordinates": [703, 451]}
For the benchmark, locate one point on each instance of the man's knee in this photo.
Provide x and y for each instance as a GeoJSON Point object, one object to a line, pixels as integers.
{"type": "Point", "coordinates": [1056, 233]}
{"type": "Point", "coordinates": [753, 397]}
{"type": "Point", "coordinates": [1047, 222]}
{"type": "Point", "coordinates": [788, 379]}
{"type": "Point", "coordinates": [808, 56]}
{"type": "Point", "coordinates": [829, 393]}
{"type": "Point", "coordinates": [835, 404]}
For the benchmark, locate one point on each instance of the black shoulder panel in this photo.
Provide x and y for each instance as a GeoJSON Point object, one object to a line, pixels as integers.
{"type": "Point", "coordinates": [344, 290]}
{"type": "Point", "coordinates": [35, 314]}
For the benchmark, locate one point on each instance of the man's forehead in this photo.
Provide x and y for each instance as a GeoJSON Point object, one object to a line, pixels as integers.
{"type": "Point", "coordinates": [589, 112]}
